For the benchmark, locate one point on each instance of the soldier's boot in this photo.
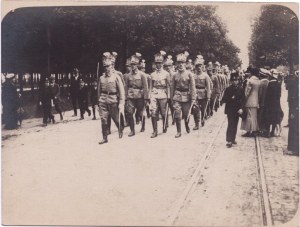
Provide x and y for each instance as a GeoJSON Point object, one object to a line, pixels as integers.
{"type": "Point", "coordinates": [178, 126]}
{"type": "Point", "coordinates": [109, 125]}
{"type": "Point", "coordinates": [104, 134]}
{"type": "Point", "coordinates": [148, 111]}
{"type": "Point", "coordinates": [143, 124]}
{"type": "Point", "coordinates": [53, 120]}
{"type": "Point", "coordinates": [165, 126]}
{"type": "Point", "coordinates": [196, 122]}
{"type": "Point", "coordinates": [154, 125]}
{"type": "Point", "coordinates": [131, 125]}
{"type": "Point", "coordinates": [187, 128]}
{"type": "Point", "coordinates": [61, 116]}
{"type": "Point", "coordinates": [89, 112]}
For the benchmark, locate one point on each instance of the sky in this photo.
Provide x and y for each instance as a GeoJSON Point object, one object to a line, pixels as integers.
{"type": "Point", "coordinates": [238, 18]}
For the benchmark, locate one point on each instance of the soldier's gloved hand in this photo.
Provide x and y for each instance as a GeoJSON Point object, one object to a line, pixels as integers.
{"type": "Point", "coordinates": [147, 102]}
{"type": "Point", "coordinates": [240, 111]}
{"type": "Point", "coordinates": [121, 106]}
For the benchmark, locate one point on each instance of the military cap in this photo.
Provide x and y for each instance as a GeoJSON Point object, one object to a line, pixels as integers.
{"type": "Point", "coordinates": [217, 64]}
{"type": "Point", "coordinates": [199, 60]}
{"type": "Point", "coordinates": [135, 59]}
{"type": "Point", "coordinates": [168, 61]}
{"type": "Point", "coordinates": [234, 76]}
{"type": "Point", "coordinates": [10, 76]}
{"type": "Point", "coordinates": [114, 56]}
{"type": "Point", "coordinates": [182, 57]}
{"type": "Point", "coordinates": [159, 57]}
{"type": "Point", "coordinates": [106, 58]}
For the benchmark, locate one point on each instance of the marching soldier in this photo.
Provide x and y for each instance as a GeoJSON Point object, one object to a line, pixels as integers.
{"type": "Point", "coordinates": [183, 93]}
{"type": "Point", "coordinates": [142, 68]}
{"type": "Point", "coordinates": [168, 66]}
{"type": "Point", "coordinates": [55, 89]}
{"type": "Point", "coordinates": [216, 87]}
{"type": "Point", "coordinates": [136, 92]}
{"type": "Point", "coordinates": [113, 57]}
{"type": "Point", "coordinates": [203, 92]}
{"type": "Point", "coordinates": [111, 95]}
{"type": "Point", "coordinates": [213, 93]}
{"type": "Point", "coordinates": [128, 70]}
{"type": "Point", "coordinates": [159, 93]}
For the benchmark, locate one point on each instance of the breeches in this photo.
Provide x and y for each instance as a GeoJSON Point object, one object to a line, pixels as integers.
{"type": "Point", "coordinates": [158, 106]}
{"type": "Point", "coordinates": [181, 108]}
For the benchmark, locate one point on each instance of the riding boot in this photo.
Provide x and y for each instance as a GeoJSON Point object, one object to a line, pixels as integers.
{"type": "Point", "coordinates": [196, 122]}
{"type": "Point", "coordinates": [165, 125]}
{"type": "Point", "coordinates": [143, 124]}
{"type": "Point", "coordinates": [131, 125]}
{"type": "Point", "coordinates": [61, 116]}
{"type": "Point", "coordinates": [178, 126]}
{"type": "Point", "coordinates": [104, 134]}
{"type": "Point", "coordinates": [187, 128]}
{"type": "Point", "coordinates": [154, 125]}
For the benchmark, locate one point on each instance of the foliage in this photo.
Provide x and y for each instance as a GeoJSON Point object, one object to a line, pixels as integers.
{"type": "Point", "coordinates": [57, 39]}
{"type": "Point", "coordinates": [275, 37]}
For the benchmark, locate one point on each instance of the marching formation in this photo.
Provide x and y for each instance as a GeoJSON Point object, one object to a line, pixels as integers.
{"type": "Point", "coordinates": [184, 89]}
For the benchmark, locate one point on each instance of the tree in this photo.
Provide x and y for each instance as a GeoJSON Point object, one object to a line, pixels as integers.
{"type": "Point", "coordinates": [275, 38]}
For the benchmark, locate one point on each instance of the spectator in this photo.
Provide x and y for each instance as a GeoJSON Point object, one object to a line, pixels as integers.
{"type": "Point", "coordinates": [10, 102]}
{"type": "Point", "coordinates": [264, 74]}
{"type": "Point", "coordinates": [250, 124]}
{"type": "Point", "coordinates": [234, 98]}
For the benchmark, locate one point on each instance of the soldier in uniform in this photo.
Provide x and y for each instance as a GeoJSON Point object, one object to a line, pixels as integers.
{"type": "Point", "coordinates": [136, 92]}
{"type": "Point", "coordinates": [183, 93]}
{"type": "Point", "coordinates": [83, 100]}
{"type": "Point", "coordinates": [213, 93]}
{"type": "Point", "coordinates": [216, 89]}
{"type": "Point", "coordinates": [74, 90]}
{"type": "Point", "coordinates": [159, 93]}
{"type": "Point", "coordinates": [46, 100]}
{"type": "Point", "coordinates": [111, 95]}
{"type": "Point", "coordinates": [128, 70]}
{"type": "Point", "coordinates": [168, 66]}
{"type": "Point", "coordinates": [142, 68]}
{"type": "Point", "coordinates": [203, 92]}
{"type": "Point", "coordinates": [55, 89]}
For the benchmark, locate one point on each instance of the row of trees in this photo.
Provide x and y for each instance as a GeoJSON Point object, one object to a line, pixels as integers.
{"type": "Point", "coordinates": [275, 38]}
{"type": "Point", "coordinates": [57, 39]}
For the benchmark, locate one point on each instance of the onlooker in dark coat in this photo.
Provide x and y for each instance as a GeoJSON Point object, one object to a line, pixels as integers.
{"type": "Point", "coordinates": [46, 100]}
{"type": "Point", "coordinates": [264, 81]}
{"type": "Point", "coordinates": [74, 90]}
{"type": "Point", "coordinates": [10, 103]}
{"type": "Point", "coordinates": [234, 98]}
{"type": "Point", "coordinates": [83, 99]}
{"type": "Point", "coordinates": [55, 89]}
{"type": "Point", "coordinates": [293, 135]}
{"type": "Point", "coordinates": [94, 98]}
{"type": "Point", "coordinates": [273, 111]}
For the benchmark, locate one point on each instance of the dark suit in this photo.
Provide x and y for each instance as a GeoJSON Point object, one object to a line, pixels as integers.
{"type": "Point", "coordinates": [83, 101]}
{"type": "Point", "coordinates": [74, 88]}
{"type": "Point", "coordinates": [234, 98]}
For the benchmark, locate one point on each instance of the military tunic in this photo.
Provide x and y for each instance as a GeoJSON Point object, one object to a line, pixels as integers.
{"type": "Point", "coordinates": [183, 92]}
{"type": "Point", "coordinates": [159, 92]}
{"type": "Point", "coordinates": [111, 93]}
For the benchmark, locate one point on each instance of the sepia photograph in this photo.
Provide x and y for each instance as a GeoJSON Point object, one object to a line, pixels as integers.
{"type": "Point", "coordinates": [147, 113]}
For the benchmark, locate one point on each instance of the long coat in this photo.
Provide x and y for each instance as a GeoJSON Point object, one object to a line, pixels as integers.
{"type": "Point", "coordinates": [251, 92]}
{"type": "Point", "coordinates": [273, 109]}
{"type": "Point", "coordinates": [11, 103]}
{"type": "Point", "coordinates": [234, 98]}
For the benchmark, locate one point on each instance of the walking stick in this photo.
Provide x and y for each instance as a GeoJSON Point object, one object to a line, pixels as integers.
{"type": "Point", "coordinates": [190, 111]}
{"type": "Point", "coordinates": [166, 116]}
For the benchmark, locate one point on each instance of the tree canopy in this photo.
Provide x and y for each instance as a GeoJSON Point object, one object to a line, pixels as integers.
{"type": "Point", "coordinates": [275, 38]}
{"type": "Point", "coordinates": [57, 39]}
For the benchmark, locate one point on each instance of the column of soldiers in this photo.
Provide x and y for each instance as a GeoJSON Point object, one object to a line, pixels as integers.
{"type": "Point", "coordinates": [186, 88]}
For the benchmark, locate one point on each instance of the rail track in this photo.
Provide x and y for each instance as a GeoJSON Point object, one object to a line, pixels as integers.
{"type": "Point", "coordinates": [262, 187]}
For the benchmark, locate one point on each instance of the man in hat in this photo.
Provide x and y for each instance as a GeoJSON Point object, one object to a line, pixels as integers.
{"type": "Point", "coordinates": [159, 93]}
{"type": "Point", "coordinates": [183, 93]}
{"type": "Point", "coordinates": [111, 95]}
{"type": "Point", "coordinates": [74, 87]}
{"type": "Point", "coordinates": [169, 67]}
{"type": "Point", "coordinates": [46, 100]}
{"type": "Point", "coordinates": [234, 98]}
{"type": "Point", "coordinates": [10, 102]}
{"type": "Point", "coordinates": [261, 115]}
{"type": "Point", "coordinates": [203, 92]}
{"type": "Point", "coordinates": [55, 89]}
{"type": "Point", "coordinates": [136, 93]}
{"type": "Point", "coordinates": [216, 88]}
